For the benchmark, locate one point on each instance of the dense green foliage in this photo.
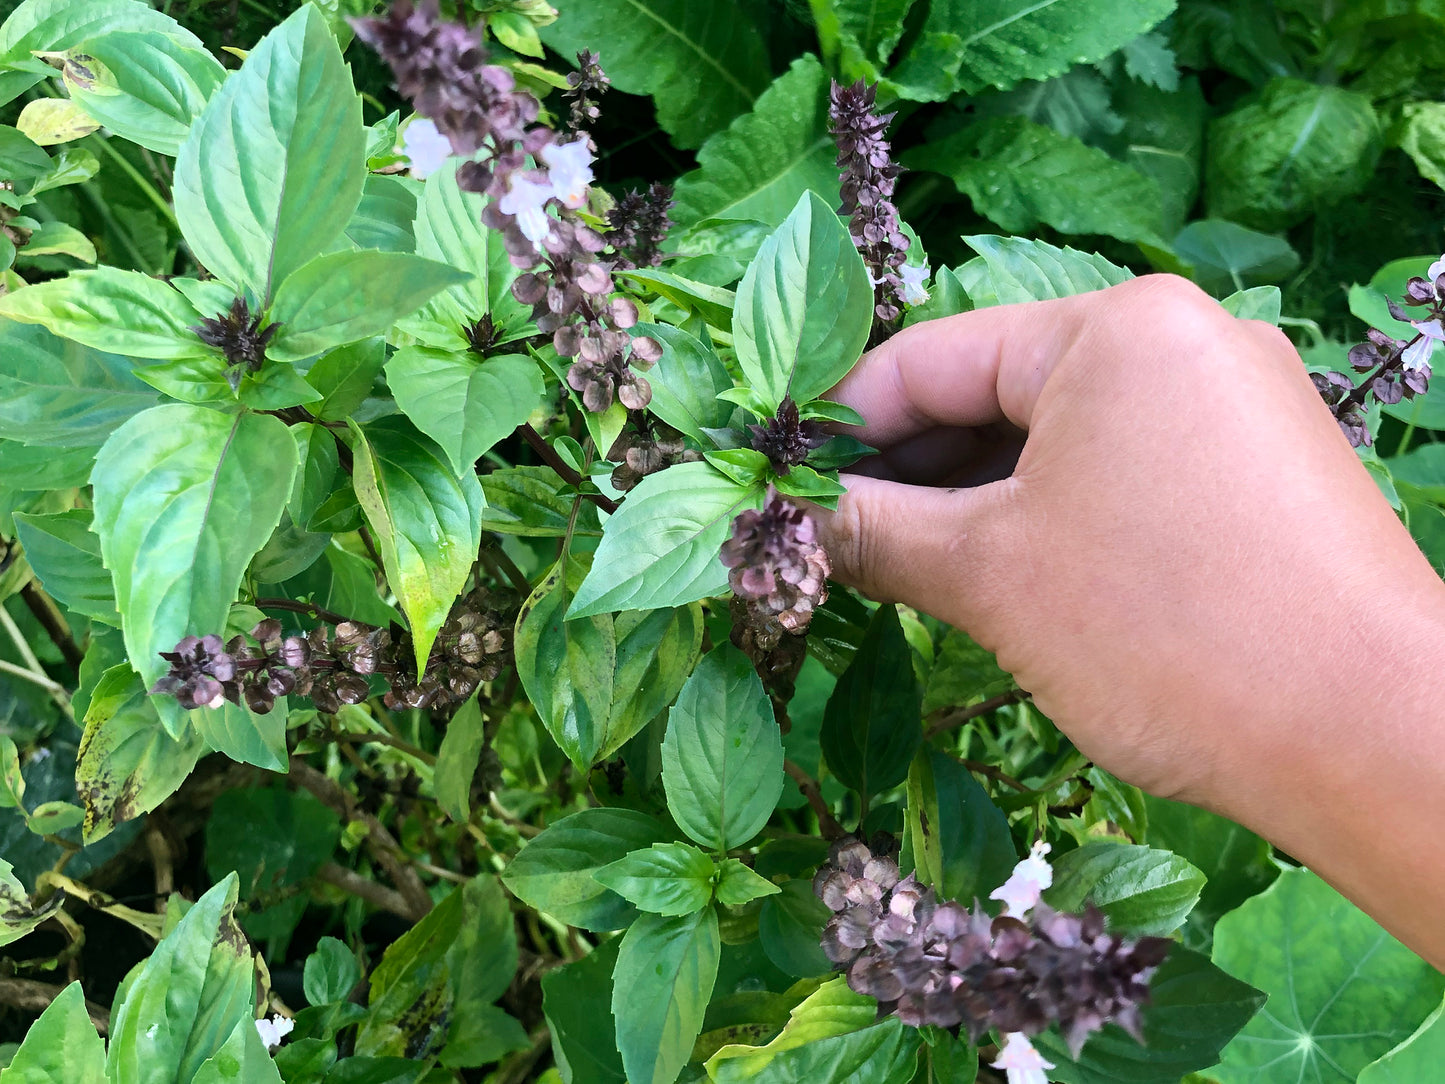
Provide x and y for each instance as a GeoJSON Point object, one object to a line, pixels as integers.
{"type": "Point", "coordinates": [590, 856]}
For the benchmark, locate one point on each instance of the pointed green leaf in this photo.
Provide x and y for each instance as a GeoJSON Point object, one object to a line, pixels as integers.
{"type": "Point", "coordinates": [584, 1041]}
{"type": "Point", "coordinates": [464, 403]}
{"type": "Point", "coordinates": [242, 1059]}
{"type": "Point", "coordinates": [686, 381]}
{"type": "Point", "coordinates": [196, 493]}
{"type": "Point", "coordinates": [65, 554]}
{"type": "Point", "coordinates": [737, 884]}
{"type": "Point", "coordinates": [383, 218]}
{"type": "Point", "coordinates": [143, 85]}
{"type": "Point", "coordinates": [722, 758]}
{"type": "Point", "coordinates": [128, 764]}
{"type": "Point", "coordinates": [960, 840]}
{"type": "Point", "coordinates": [269, 175]}
{"type": "Point", "coordinates": [1010, 270]}
{"type": "Point", "coordinates": [761, 163]}
{"type": "Point", "coordinates": [330, 973]}
{"type": "Point", "coordinates": [344, 297]}
{"type": "Point", "coordinates": [343, 377]}
{"type": "Point", "coordinates": [1142, 891]}
{"type": "Point", "coordinates": [190, 994]}
{"type": "Point", "coordinates": [244, 736]}
{"type": "Point", "coordinates": [656, 651]}
{"type": "Point", "coordinates": [666, 879]}
{"type": "Point", "coordinates": [61, 1047]}
{"type": "Point", "coordinates": [426, 520]}
{"type": "Point", "coordinates": [661, 985]}
{"type": "Point", "coordinates": [123, 312]}
{"type": "Point", "coordinates": [1414, 1059]}
{"type": "Point", "coordinates": [790, 928]}
{"type": "Point", "coordinates": [553, 872]}
{"type": "Point", "coordinates": [703, 64]}
{"type": "Point", "coordinates": [805, 306]}
{"type": "Point", "coordinates": [661, 547]}
{"type": "Point", "coordinates": [18, 915]}
{"type": "Point", "coordinates": [457, 759]}
{"type": "Point", "coordinates": [525, 501]}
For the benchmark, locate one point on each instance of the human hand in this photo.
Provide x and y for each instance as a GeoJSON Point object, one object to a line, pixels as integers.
{"type": "Point", "coordinates": [1188, 567]}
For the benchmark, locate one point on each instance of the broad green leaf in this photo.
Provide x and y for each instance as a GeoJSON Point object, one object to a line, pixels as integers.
{"type": "Point", "coordinates": [272, 170]}
{"type": "Point", "coordinates": [1163, 138]}
{"type": "Point", "coordinates": [65, 555]}
{"type": "Point", "coordinates": [959, 839]}
{"type": "Point", "coordinates": [864, 31]}
{"type": "Point", "coordinates": [584, 1041]}
{"type": "Point", "coordinates": [722, 758]}
{"type": "Point", "coordinates": [52, 818]}
{"type": "Point", "coordinates": [656, 651]}
{"type": "Point", "coordinates": [481, 1034]}
{"type": "Point", "coordinates": [1141, 891]}
{"type": "Point", "coordinates": [1414, 1059]}
{"type": "Point", "coordinates": [1194, 1009]}
{"type": "Point", "coordinates": [343, 377]}
{"type": "Point", "coordinates": [525, 501]}
{"type": "Point", "coordinates": [660, 989]}
{"type": "Point", "coordinates": [463, 402]}
{"type": "Point", "coordinates": [128, 764]}
{"type": "Point", "coordinates": [804, 308]}
{"type": "Point", "coordinates": [685, 383]}
{"type": "Point", "coordinates": [449, 229]}
{"type": "Point", "coordinates": [666, 879]}
{"type": "Point", "coordinates": [738, 884]}
{"type": "Point", "coordinates": [482, 961]}
{"type": "Point", "coordinates": [196, 493]}
{"type": "Point", "coordinates": [190, 994]}
{"type": "Point", "coordinates": [703, 64]}
{"type": "Point", "coordinates": [1422, 137]}
{"type": "Point", "coordinates": [319, 462]}
{"type": "Point", "coordinates": [142, 85]}
{"type": "Point", "coordinates": [123, 312]}
{"type": "Point", "coordinates": [885, 1053]}
{"type": "Point", "coordinates": [1226, 256]}
{"type": "Point", "coordinates": [330, 973]}
{"type": "Point", "coordinates": [61, 1047]}
{"type": "Point", "coordinates": [410, 992]}
{"type": "Point", "coordinates": [49, 121]}
{"type": "Point", "coordinates": [661, 547]}
{"type": "Point", "coordinates": [1078, 103]}
{"type": "Point", "coordinates": [20, 158]}
{"type": "Point", "coordinates": [1020, 174]}
{"type": "Point", "coordinates": [344, 297]}
{"type": "Point", "coordinates": [35, 469]}
{"type": "Point", "coordinates": [1256, 303]}
{"type": "Point", "coordinates": [1001, 42]}
{"type": "Point", "coordinates": [1342, 991]}
{"type": "Point", "coordinates": [566, 665]}
{"type": "Point", "coordinates": [963, 673]}
{"type": "Point", "coordinates": [553, 872]}
{"type": "Point", "coordinates": [829, 1011]}
{"type": "Point", "coordinates": [383, 218]}
{"type": "Point", "coordinates": [272, 838]}
{"type": "Point", "coordinates": [790, 927]}
{"type": "Point", "coordinates": [57, 25]}
{"type": "Point", "coordinates": [871, 724]}
{"type": "Point", "coordinates": [457, 759]}
{"type": "Point", "coordinates": [242, 1059]}
{"type": "Point", "coordinates": [1274, 161]}
{"type": "Point", "coordinates": [713, 303]}
{"type": "Point", "coordinates": [59, 239]}
{"type": "Point", "coordinates": [18, 916]}
{"type": "Point", "coordinates": [1010, 270]}
{"type": "Point", "coordinates": [427, 522]}
{"type": "Point", "coordinates": [760, 164]}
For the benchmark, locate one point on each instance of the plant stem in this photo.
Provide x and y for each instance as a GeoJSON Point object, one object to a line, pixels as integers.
{"type": "Point", "coordinates": [827, 824]}
{"type": "Point", "coordinates": [52, 622]}
{"type": "Point", "coordinates": [958, 718]}
{"type": "Point", "coordinates": [32, 671]}
{"type": "Point", "coordinates": [549, 456]}
{"type": "Point", "coordinates": [148, 924]}
{"type": "Point", "coordinates": [309, 608]}
{"type": "Point", "coordinates": [386, 739]}
{"type": "Point", "coordinates": [503, 567]}
{"type": "Point", "coordinates": [139, 178]}
{"type": "Point", "coordinates": [32, 996]}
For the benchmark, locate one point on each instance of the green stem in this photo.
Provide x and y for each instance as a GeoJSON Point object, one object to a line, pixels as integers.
{"type": "Point", "coordinates": [139, 178]}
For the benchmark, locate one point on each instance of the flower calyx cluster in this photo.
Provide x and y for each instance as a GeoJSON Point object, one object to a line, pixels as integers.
{"type": "Point", "coordinates": [1396, 369]}
{"type": "Point", "coordinates": [333, 665]}
{"type": "Point", "coordinates": [786, 439]}
{"type": "Point", "coordinates": [584, 86]}
{"type": "Point", "coordinates": [240, 338]}
{"type": "Point", "coordinates": [646, 447]}
{"type": "Point", "coordinates": [638, 224]}
{"type": "Point", "coordinates": [931, 961]}
{"type": "Point", "coordinates": [869, 175]}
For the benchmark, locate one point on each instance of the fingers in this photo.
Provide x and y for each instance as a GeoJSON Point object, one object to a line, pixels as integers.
{"type": "Point", "coordinates": [930, 548]}
{"type": "Point", "coordinates": [966, 370]}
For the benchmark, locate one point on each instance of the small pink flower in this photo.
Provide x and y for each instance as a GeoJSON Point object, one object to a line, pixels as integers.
{"type": "Point", "coordinates": [1019, 1059]}
{"type": "Point", "coordinates": [426, 147]}
{"type": "Point", "coordinates": [569, 167]}
{"type": "Point", "coordinates": [1021, 892]}
{"type": "Point", "coordinates": [527, 201]}
{"type": "Point", "coordinates": [914, 292]}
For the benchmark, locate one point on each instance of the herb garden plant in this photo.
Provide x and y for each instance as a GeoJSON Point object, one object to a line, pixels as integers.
{"type": "Point", "coordinates": [418, 658]}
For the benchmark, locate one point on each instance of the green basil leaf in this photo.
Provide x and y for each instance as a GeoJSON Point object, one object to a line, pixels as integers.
{"type": "Point", "coordinates": [758, 166]}
{"type": "Point", "coordinates": [960, 840]}
{"type": "Point", "coordinates": [737, 884]}
{"type": "Point", "coordinates": [804, 308]}
{"type": "Point", "coordinates": [58, 239]}
{"type": "Point", "coordinates": [743, 465]}
{"type": "Point", "coordinates": [1226, 256]}
{"type": "Point", "coordinates": [871, 723]}
{"type": "Point", "coordinates": [65, 555]}
{"type": "Point", "coordinates": [722, 757]}
{"type": "Point", "coordinates": [828, 411]}
{"type": "Point", "coordinates": [886, 1053]}
{"type": "Point", "coordinates": [666, 879]}
{"type": "Point", "coordinates": [198, 493]}
{"type": "Point", "coordinates": [790, 927]}
{"type": "Point", "coordinates": [18, 915]}
{"type": "Point", "coordinates": [686, 381]}
{"type": "Point", "coordinates": [661, 547]}
{"type": "Point", "coordinates": [1340, 988]}
{"type": "Point", "coordinates": [656, 651]}
{"type": "Point", "coordinates": [1010, 270]}
{"type": "Point", "coordinates": [242, 1059]}
{"type": "Point", "coordinates": [525, 501]}
{"type": "Point", "coordinates": [457, 759]}
{"type": "Point", "coordinates": [273, 169]}
{"type": "Point", "coordinates": [830, 1010]}
{"type": "Point", "coordinates": [584, 1041]}
{"type": "Point", "coordinates": [426, 520]}
{"type": "Point", "coordinates": [330, 973]}
{"type": "Point", "coordinates": [143, 85]}
{"type": "Point", "coordinates": [1422, 137]}
{"type": "Point", "coordinates": [464, 403]}
{"type": "Point", "coordinates": [1194, 1009]}
{"type": "Point", "coordinates": [61, 1047]}
{"type": "Point", "coordinates": [52, 818]}
{"type": "Point", "coordinates": [702, 64]}
{"type": "Point", "coordinates": [383, 218]}
{"type": "Point", "coordinates": [1256, 303]}
{"type": "Point", "coordinates": [1141, 891]}
{"type": "Point", "coordinates": [190, 995]}
{"type": "Point", "coordinates": [123, 312]}
{"type": "Point", "coordinates": [128, 764]}
{"type": "Point", "coordinates": [713, 303]}
{"type": "Point", "coordinates": [1414, 1059]}
{"type": "Point", "coordinates": [553, 872]}
{"type": "Point", "coordinates": [344, 297]}
{"type": "Point", "coordinates": [661, 985]}
{"type": "Point", "coordinates": [805, 482]}
{"type": "Point", "coordinates": [343, 377]}
{"type": "Point", "coordinates": [21, 159]}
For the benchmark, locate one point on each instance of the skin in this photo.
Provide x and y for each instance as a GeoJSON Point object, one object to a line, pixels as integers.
{"type": "Point", "coordinates": [1141, 504]}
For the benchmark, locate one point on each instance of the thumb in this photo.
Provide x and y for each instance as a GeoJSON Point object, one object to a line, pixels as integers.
{"type": "Point", "coordinates": [943, 551]}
